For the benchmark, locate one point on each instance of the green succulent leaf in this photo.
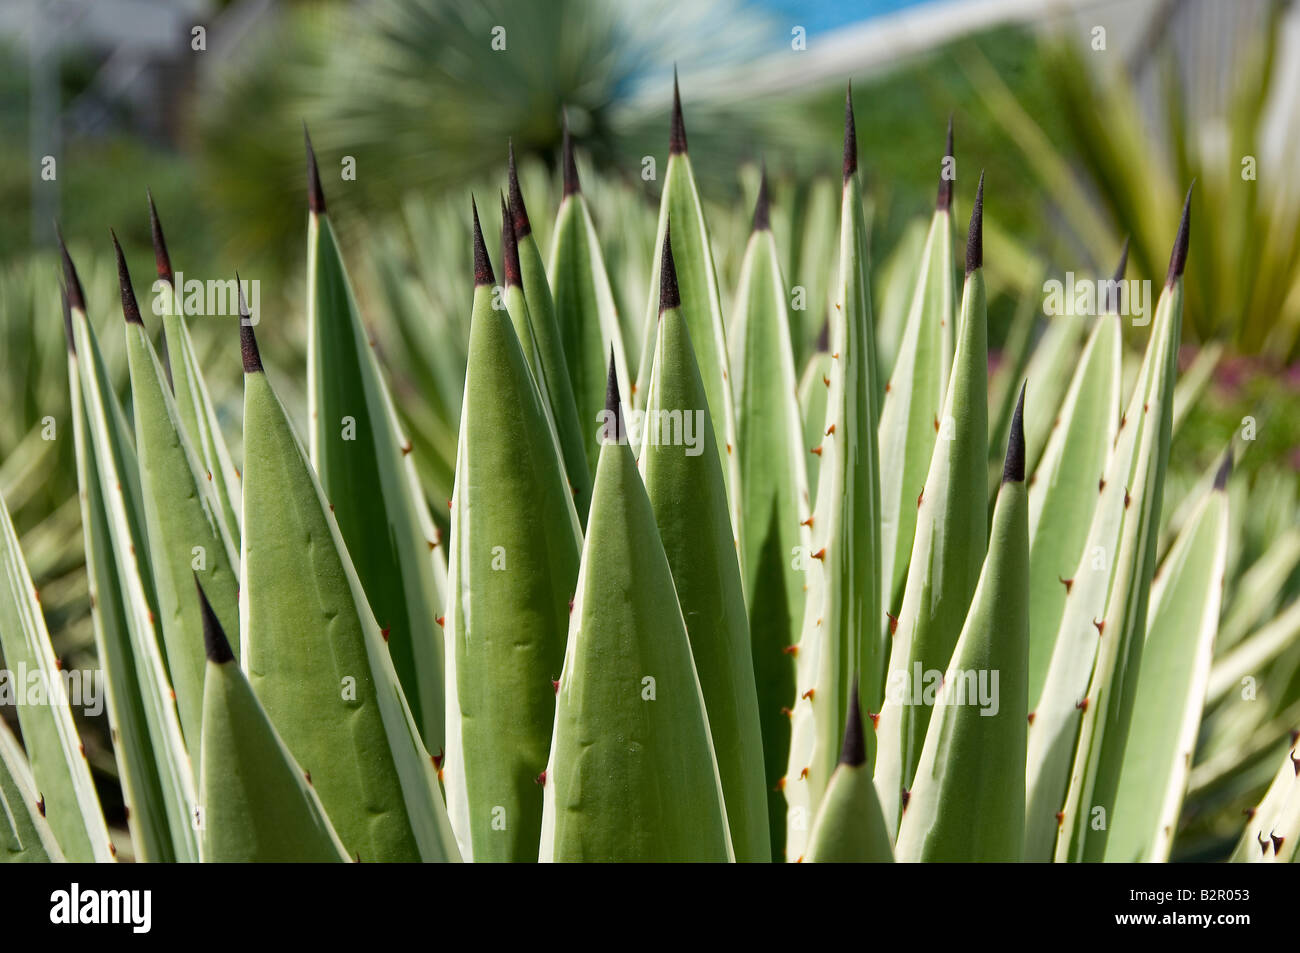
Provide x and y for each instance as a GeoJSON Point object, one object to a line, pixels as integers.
{"type": "Point", "coordinates": [1063, 494]}
{"type": "Point", "coordinates": [362, 457]}
{"type": "Point", "coordinates": [198, 414]}
{"type": "Point", "coordinates": [909, 415]}
{"type": "Point", "coordinates": [1052, 361]}
{"type": "Point", "coordinates": [539, 338]}
{"type": "Point", "coordinates": [159, 776]}
{"type": "Point", "coordinates": [1273, 830]}
{"type": "Point", "coordinates": [701, 308]}
{"type": "Point", "coordinates": [183, 517]}
{"type": "Point", "coordinates": [1171, 687]}
{"type": "Point", "coordinates": [57, 760]}
{"type": "Point", "coordinates": [839, 636]}
{"type": "Point", "coordinates": [967, 802]}
{"type": "Point", "coordinates": [315, 655]}
{"type": "Point", "coordinates": [814, 390]}
{"type": "Point", "coordinates": [257, 805]}
{"type": "Point", "coordinates": [951, 536]}
{"type": "Point", "coordinates": [515, 548]}
{"type": "Point", "coordinates": [584, 311]}
{"type": "Point", "coordinates": [683, 479]}
{"type": "Point", "coordinates": [1110, 696]}
{"type": "Point", "coordinates": [850, 827]}
{"type": "Point", "coordinates": [632, 774]}
{"type": "Point", "coordinates": [25, 834]}
{"type": "Point", "coordinates": [774, 502]}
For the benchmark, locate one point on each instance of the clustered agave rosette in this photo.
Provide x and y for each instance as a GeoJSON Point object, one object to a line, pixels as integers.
{"type": "Point", "coordinates": [659, 628]}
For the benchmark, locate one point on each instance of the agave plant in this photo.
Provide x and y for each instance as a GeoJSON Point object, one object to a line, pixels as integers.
{"type": "Point", "coordinates": [659, 628]}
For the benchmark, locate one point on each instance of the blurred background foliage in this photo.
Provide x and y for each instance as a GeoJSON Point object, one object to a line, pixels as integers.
{"type": "Point", "coordinates": [1082, 147]}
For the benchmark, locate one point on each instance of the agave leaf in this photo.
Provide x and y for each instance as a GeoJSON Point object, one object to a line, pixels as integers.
{"type": "Point", "coordinates": [839, 637]}
{"type": "Point", "coordinates": [1063, 491]}
{"type": "Point", "coordinates": [1110, 698]}
{"type": "Point", "coordinates": [539, 338]}
{"type": "Point", "coordinates": [187, 532]}
{"type": "Point", "coordinates": [895, 280]}
{"type": "Point", "coordinates": [1054, 357]}
{"type": "Point", "coordinates": [25, 834]}
{"type": "Point", "coordinates": [967, 801]}
{"type": "Point", "coordinates": [1273, 830]}
{"type": "Point", "coordinates": [950, 535]}
{"type": "Point", "coordinates": [814, 390]}
{"type": "Point", "coordinates": [632, 774]}
{"type": "Point", "coordinates": [197, 412]}
{"type": "Point", "coordinates": [584, 309]}
{"type": "Point", "coordinates": [128, 717]}
{"type": "Point", "coordinates": [341, 711]}
{"type": "Point", "coordinates": [701, 305]}
{"type": "Point", "coordinates": [257, 805]}
{"type": "Point", "coordinates": [849, 827]}
{"type": "Point", "coordinates": [909, 415]}
{"type": "Point", "coordinates": [813, 267]}
{"type": "Point", "coordinates": [683, 479]}
{"type": "Point", "coordinates": [515, 547]}
{"type": "Point", "coordinates": [1057, 711]}
{"type": "Point", "coordinates": [1176, 657]}
{"type": "Point", "coordinates": [362, 458]}
{"type": "Point", "coordinates": [165, 787]}
{"type": "Point", "coordinates": [774, 497]}
{"type": "Point", "coordinates": [58, 764]}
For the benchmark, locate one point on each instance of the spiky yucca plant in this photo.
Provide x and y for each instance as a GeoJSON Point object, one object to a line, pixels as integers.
{"type": "Point", "coordinates": [654, 631]}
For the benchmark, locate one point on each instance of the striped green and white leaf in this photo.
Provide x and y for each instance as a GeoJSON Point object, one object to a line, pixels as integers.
{"type": "Point", "coordinates": [54, 750]}
{"type": "Point", "coordinates": [814, 391]}
{"type": "Point", "coordinates": [774, 497]}
{"type": "Point", "coordinates": [515, 548]}
{"type": "Point", "coordinates": [967, 802]}
{"type": "Point", "coordinates": [632, 774]}
{"type": "Point", "coordinates": [362, 457]}
{"type": "Point", "coordinates": [681, 468]}
{"type": "Point", "coordinates": [257, 805]}
{"type": "Point", "coordinates": [128, 717]}
{"type": "Point", "coordinates": [164, 786]}
{"type": "Point", "coordinates": [1171, 686]}
{"type": "Point", "coordinates": [1110, 697]}
{"type": "Point", "coordinates": [914, 396]}
{"type": "Point", "coordinates": [1063, 492]}
{"type": "Point", "coordinates": [315, 654]}
{"type": "Point", "coordinates": [1273, 830]}
{"type": "Point", "coordinates": [1050, 367]}
{"type": "Point", "coordinates": [183, 517]}
{"type": "Point", "coordinates": [701, 304]}
{"type": "Point", "coordinates": [197, 412]}
{"type": "Point", "coordinates": [585, 311]}
{"type": "Point", "coordinates": [839, 638]}
{"type": "Point", "coordinates": [25, 834]}
{"type": "Point", "coordinates": [539, 339]}
{"type": "Point", "coordinates": [951, 536]}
